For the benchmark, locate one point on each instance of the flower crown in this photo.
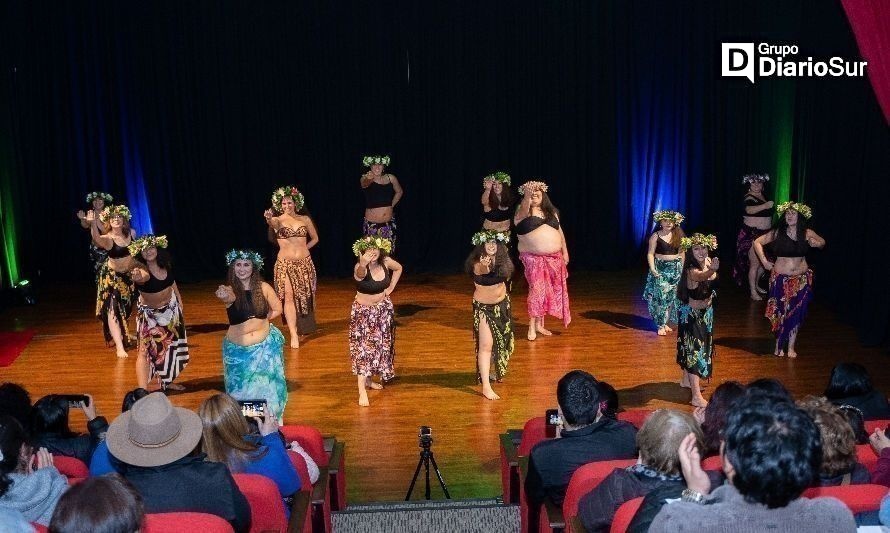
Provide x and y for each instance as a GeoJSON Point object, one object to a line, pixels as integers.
{"type": "Point", "coordinates": [288, 190]}
{"type": "Point", "coordinates": [115, 211]}
{"type": "Point", "coordinates": [147, 241]}
{"type": "Point", "coordinates": [532, 186]}
{"type": "Point", "coordinates": [697, 239]}
{"type": "Point", "coordinates": [502, 177]}
{"type": "Point", "coordinates": [750, 178]}
{"type": "Point", "coordinates": [99, 194]}
{"type": "Point", "coordinates": [673, 216]}
{"type": "Point", "coordinates": [359, 246]}
{"type": "Point", "coordinates": [250, 255]}
{"type": "Point", "coordinates": [484, 236]}
{"type": "Point", "coordinates": [803, 209]}
{"type": "Point", "coordinates": [369, 160]}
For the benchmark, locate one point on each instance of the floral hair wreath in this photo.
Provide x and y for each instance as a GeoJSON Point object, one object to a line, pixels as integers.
{"type": "Point", "coordinates": [147, 241]}
{"type": "Point", "coordinates": [502, 177]}
{"type": "Point", "coordinates": [99, 194]}
{"type": "Point", "coordinates": [697, 239]}
{"type": "Point", "coordinates": [751, 178]}
{"type": "Point", "coordinates": [532, 186]}
{"type": "Point", "coordinates": [249, 255]}
{"type": "Point", "coordinates": [803, 209]}
{"type": "Point", "coordinates": [674, 216]}
{"type": "Point", "coordinates": [365, 243]}
{"type": "Point", "coordinates": [369, 160]}
{"type": "Point", "coordinates": [115, 211]}
{"type": "Point", "coordinates": [288, 190]}
{"type": "Point", "coordinates": [484, 236]}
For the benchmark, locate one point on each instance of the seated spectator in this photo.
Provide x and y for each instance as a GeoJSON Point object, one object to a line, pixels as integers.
{"type": "Point", "coordinates": [15, 402]}
{"type": "Point", "coordinates": [107, 504]}
{"type": "Point", "coordinates": [31, 487]}
{"type": "Point", "coordinates": [850, 385]}
{"type": "Point", "coordinates": [154, 441]}
{"type": "Point", "coordinates": [658, 466]}
{"type": "Point", "coordinates": [227, 439]}
{"type": "Point", "coordinates": [713, 417]}
{"type": "Point", "coordinates": [839, 464]}
{"type": "Point", "coordinates": [102, 462]}
{"type": "Point", "coordinates": [586, 436]}
{"type": "Point", "coordinates": [771, 454]}
{"type": "Point", "coordinates": [49, 428]}
{"type": "Point", "coordinates": [857, 422]}
{"type": "Point", "coordinates": [881, 444]}
{"type": "Point", "coordinates": [608, 400]}
{"type": "Point", "coordinates": [771, 387]}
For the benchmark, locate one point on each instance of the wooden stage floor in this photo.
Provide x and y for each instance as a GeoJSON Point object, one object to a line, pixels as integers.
{"type": "Point", "coordinates": [610, 336]}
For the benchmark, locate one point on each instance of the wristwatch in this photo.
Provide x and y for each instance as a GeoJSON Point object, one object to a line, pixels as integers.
{"type": "Point", "coordinates": [689, 495]}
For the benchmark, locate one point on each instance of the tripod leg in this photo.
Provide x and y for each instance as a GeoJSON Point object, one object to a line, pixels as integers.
{"type": "Point", "coordinates": [414, 479]}
{"type": "Point", "coordinates": [426, 463]}
{"type": "Point", "coordinates": [439, 475]}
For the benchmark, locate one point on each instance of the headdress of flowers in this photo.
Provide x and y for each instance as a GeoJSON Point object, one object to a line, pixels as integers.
{"type": "Point", "coordinates": [249, 255]}
{"type": "Point", "coordinates": [359, 246]}
{"type": "Point", "coordinates": [147, 241]}
{"type": "Point", "coordinates": [749, 178]}
{"type": "Point", "coordinates": [112, 211]}
{"type": "Point", "coordinates": [484, 236]}
{"type": "Point", "coordinates": [697, 239]}
{"type": "Point", "coordinates": [99, 194]}
{"type": "Point", "coordinates": [288, 190]}
{"type": "Point", "coordinates": [530, 186]}
{"type": "Point", "coordinates": [502, 177]}
{"type": "Point", "coordinates": [673, 216]}
{"type": "Point", "coordinates": [369, 160]}
{"type": "Point", "coordinates": [803, 209]}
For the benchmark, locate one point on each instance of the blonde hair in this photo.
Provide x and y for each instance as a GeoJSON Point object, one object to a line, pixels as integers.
{"type": "Point", "coordinates": [660, 437]}
{"type": "Point", "coordinates": [223, 432]}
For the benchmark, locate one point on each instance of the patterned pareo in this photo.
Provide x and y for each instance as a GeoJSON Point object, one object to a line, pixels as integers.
{"type": "Point", "coordinates": [695, 340]}
{"type": "Point", "coordinates": [661, 292]}
{"type": "Point", "coordinates": [789, 298]}
{"type": "Point", "coordinates": [500, 322]}
{"type": "Point", "coordinates": [114, 291]}
{"type": "Point", "coordinates": [372, 339]}
{"type": "Point", "coordinates": [257, 371]}
{"type": "Point", "coordinates": [162, 335]}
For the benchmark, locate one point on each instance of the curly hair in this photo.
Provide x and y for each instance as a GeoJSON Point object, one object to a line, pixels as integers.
{"type": "Point", "coordinates": [838, 439]}
{"type": "Point", "coordinates": [578, 397]}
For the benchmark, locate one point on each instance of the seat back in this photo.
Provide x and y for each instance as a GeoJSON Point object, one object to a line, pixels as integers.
{"type": "Point", "coordinates": [872, 425]}
{"type": "Point", "coordinates": [858, 498]}
{"type": "Point", "coordinates": [302, 470]}
{"type": "Point", "coordinates": [712, 462]}
{"type": "Point", "coordinates": [635, 416]}
{"type": "Point", "coordinates": [533, 432]}
{"type": "Point", "coordinates": [185, 523]}
{"type": "Point", "coordinates": [866, 455]}
{"type": "Point", "coordinates": [72, 468]}
{"type": "Point", "coordinates": [585, 479]}
{"type": "Point", "coordinates": [266, 507]}
{"type": "Point", "coordinates": [625, 514]}
{"type": "Point", "coordinates": [310, 439]}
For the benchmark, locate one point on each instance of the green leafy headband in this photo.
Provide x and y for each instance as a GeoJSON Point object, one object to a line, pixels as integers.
{"type": "Point", "coordinates": [697, 239]}
{"type": "Point", "coordinates": [249, 255]}
{"type": "Point", "coordinates": [750, 178]}
{"type": "Point", "coordinates": [99, 194]}
{"type": "Point", "coordinates": [288, 190]}
{"type": "Point", "coordinates": [369, 160]}
{"type": "Point", "coordinates": [484, 236]}
{"type": "Point", "coordinates": [530, 186]}
{"type": "Point", "coordinates": [147, 241]}
{"type": "Point", "coordinates": [365, 243]}
{"type": "Point", "coordinates": [673, 216]}
{"type": "Point", "coordinates": [803, 209]}
{"type": "Point", "coordinates": [502, 177]}
{"type": "Point", "coordinates": [115, 211]}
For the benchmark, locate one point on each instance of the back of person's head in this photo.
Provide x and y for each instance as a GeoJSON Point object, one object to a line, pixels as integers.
{"type": "Point", "coordinates": [578, 398]}
{"type": "Point", "coordinates": [715, 414]}
{"type": "Point", "coordinates": [107, 504]}
{"type": "Point", "coordinates": [847, 380]}
{"type": "Point", "coordinates": [774, 448]}
{"type": "Point", "coordinates": [608, 400]}
{"type": "Point", "coordinates": [132, 397]}
{"type": "Point", "coordinates": [15, 402]}
{"type": "Point", "coordinates": [838, 439]}
{"type": "Point", "coordinates": [856, 420]}
{"type": "Point", "coordinates": [660, 437]}
{"type": "Point", "coordinates": [12, 439]}
{"type": "Point", "coordinates": [223, 432]}
{"type": "Point", "coordinates": [771, 387]}
{"type": "Point", "coordinates": [50, 415]}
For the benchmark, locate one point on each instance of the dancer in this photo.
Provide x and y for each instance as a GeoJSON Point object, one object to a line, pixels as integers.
{"type": "Point", "coordinates": [791, 279]}
{"type": "Point", "coordinates": [543, 252]}
{"type": "Point", "coordinates": [490, 266]}
{"type": "Point", "coordinates": [160, 327]}
{"type": "Point", "coordinates": [382, 193]}
{"type": "Point", "coordinates": [755, 222]}
{"type": "Point", "coordinates": [97, 201]}
{"type": "Point", "coordinates": [665, 265]}
{"type": "Point", "coordinates": [695, 330]}
{"type": "Point", "coordinates": [295, 278]}
{"type": "Point", "coordinates": [253, 357]}
{"type": "Point", "coordinates": [497, 202]}
{"type": "Point", "coordinates": [114, 292]}
{"type": "Point", "coordinates": [372, 336]}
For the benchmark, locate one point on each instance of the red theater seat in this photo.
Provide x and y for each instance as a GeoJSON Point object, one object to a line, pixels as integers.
{"type": "Point", "coordinates": [625, 514]}
{"type": "Point", "coordinates": [185, 523]}
{"type": "Point", "coordinates": [585, 479]}
{"type": "Point", "coordinates": [635, 416]}
{"type": "Point", "coordinates": [72, 468]}
{"type": "Point", "coordinates": [266, 507]}
{"type": "Point", "coordinates": [859, 498]}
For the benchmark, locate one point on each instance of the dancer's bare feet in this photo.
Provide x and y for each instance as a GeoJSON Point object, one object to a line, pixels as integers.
{"type": "Point", "coordinates": [684, 381]}
{"type": "Point", "coordinates": [544, 331]}
{"type": "Point", "coordinates": [374, 385]}
{"type": "Point", "coordinates": [489, 393]}
{"type": "Point", "coordinates": [295, 342]}
{"type": "Point", "coordinates": [531, 333]}
{"type": "Point", "coordinates": [699, 402]}
{"type": "Point", "coordinates": [363, 399]}
{"type": "Point", "coordinates": [756, 297]}
{"type": "Point", "coordinates": [662, 331]}
{"type": "Point", "coordinates": [121, 353]}
{"type": "Point", "coordinates": [792, 354]}
{"type": "Point", "coordinates": [668, 328]}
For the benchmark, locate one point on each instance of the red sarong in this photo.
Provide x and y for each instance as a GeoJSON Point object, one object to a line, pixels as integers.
{"type": "Point", "coordinates": [548, 293]}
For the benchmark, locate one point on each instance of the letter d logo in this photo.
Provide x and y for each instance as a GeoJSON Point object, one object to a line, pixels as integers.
{"type": "Point", "coordinates": [738, 60]}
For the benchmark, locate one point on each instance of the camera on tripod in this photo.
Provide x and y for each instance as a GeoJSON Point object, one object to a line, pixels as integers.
{"type": "Point", "coordinates": [425, 441]}
{"type": "Point", "coordinates": [425, 437]}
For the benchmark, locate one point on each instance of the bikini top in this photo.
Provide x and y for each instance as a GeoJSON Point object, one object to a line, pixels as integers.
{"type": "Point", "coordinates": [237, 316]}
{"type": "Point", "coordinates": [154, 285]}
{"type": "Point", "coordinates": [664, 248]}
{"type": "Point", "coordinates": [497, 215]}
{"type": "Point", "coordinates": [118, 252]}
{"type": "Point", "coordinates": [785, 246]}
{"type": "Point", "coordinates": [531, 223]}
{"type": "Point", "coordinates": [751, 201]}
{"type": "Point", "coordinates": [286, 232]}
{"type": "Point", "coordinates": [701, 292]}
{"type": "Point", "coordinates": [487, 280]}
{"type": "Point", "coordinates": [370, 285]}
{"type": "Point", "coordinates": [377, 195]}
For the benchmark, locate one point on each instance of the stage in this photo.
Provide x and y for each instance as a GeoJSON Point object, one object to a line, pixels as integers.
{"type": "Point", "coordinates": [610, 336]}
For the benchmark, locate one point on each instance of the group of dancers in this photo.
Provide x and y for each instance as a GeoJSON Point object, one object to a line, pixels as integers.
{"type": "Point", "coordinates": [678, 287]}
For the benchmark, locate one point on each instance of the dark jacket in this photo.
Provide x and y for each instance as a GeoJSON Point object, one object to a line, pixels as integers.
{"type": "Point", "coordinates": [656, 499]}
{"type": "Point", "coordinates": [191, 484]}
{"type": "Point", "coordinates": [552, 462]}
{"type": "Point", "coordinates": [872, 404]}
{"type": "Point", "coordinates": [79, 446]}
{"type": "Point", "coordinates": [597, 508]}
{"type": "Point", "coordinates": [859, 475]}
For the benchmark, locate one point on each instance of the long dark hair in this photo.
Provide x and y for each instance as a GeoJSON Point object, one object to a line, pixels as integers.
{"type": "Point", "coordinates": [715, 414]}
{"type": "Point", "coordinates": [782, 226]}
{"type": "Point", "coordinates": [260, 305]}
{"type": "Point", "coordinates": [502, 266]}
{"type": "Point", "coordinates": [546, 206]}
{"type": "Point", "coordinates": [506, 200]}
{"type": "Point", "coordinates": [50, 415]}
{"type": "Point", "coordinates": [847, 380]}
{"type": "Point", "coordinates": [12, 437]}
{"type": "Point", "coordinates": [164, 259]}
{"type": "Point", "coordinates": [683, 284]}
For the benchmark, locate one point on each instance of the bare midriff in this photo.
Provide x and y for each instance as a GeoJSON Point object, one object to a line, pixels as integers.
{"type": "Point", "coordinates": [543, 240]}
{"type": "Point", "coordinates": [253, 331]}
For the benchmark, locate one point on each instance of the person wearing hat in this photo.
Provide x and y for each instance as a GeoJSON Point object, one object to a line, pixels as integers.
{"type": "Point", "coordinates": [155, 441]}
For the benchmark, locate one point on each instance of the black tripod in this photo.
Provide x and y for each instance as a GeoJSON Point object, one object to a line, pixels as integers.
{"type": "Point", "coordinates": [426, 456]}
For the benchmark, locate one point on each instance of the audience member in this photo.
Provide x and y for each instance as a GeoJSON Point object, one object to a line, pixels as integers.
{"type": "Point", "coordinates": [713, 417]}
{"type": "Point", "coordinates": [857, 422]}
{"type": "Point", "coordinates": [839, 464]}
{"type": "Point", "coordinates": [881, 444]}
{"type": "Point", "coordinates": [15, 402]}
{"type": "Point", "coordinates": [107, 504]}
{"type": "Point", "coordinates": [608, 400]}
{"type": "Point", "coordinates": [103, 462]}
{"type": "Point", "coordinates": [49, 428]}
{"type": "Point", "coordinates": [849, 384]}
{"type": "Point", "coordinates": [771, 387]}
